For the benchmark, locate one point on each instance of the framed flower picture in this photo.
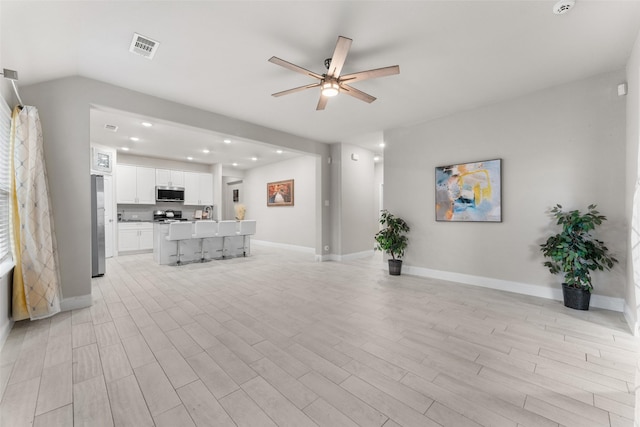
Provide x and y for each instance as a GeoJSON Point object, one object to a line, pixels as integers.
{"type": "Point", "coordinates": [280, 193]}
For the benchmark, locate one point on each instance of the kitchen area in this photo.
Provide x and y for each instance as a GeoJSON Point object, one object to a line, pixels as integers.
{"type": "Point", "coordinates": [151, 200]}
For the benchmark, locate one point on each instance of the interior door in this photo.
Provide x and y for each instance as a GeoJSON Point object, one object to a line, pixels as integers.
{"type": "Point", "coordinates": [109, 228]}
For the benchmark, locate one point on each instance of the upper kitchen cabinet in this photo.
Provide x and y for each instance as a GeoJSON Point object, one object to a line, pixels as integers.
{"type": "Point", "coordinates": [169, 178]}
{"type": "Point", "coordinates": [198, 188]}
{"type": "Point", "coordinates": [135, 185]}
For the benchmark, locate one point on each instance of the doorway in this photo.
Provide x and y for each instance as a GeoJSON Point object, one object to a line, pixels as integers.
{"type": "Point", "coordinates": [233, 195]}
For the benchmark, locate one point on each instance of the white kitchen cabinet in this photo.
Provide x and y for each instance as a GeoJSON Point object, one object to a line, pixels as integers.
{"type": "Point", "coordinates": [135, 236]}
{"type": "Point", "coordinates": [135, 185]}
{"type": "Point", "coordinates": [169, 178]}
{"type": "Point", "coordinates": [198, 188]}
{"type": "Point", "coordinates": [128, 240]}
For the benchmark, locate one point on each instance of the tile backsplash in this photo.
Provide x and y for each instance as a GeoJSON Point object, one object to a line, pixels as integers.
{"type": "Point", "coordinates": [145, 212]}
{"type": "Point", "coordinates": [135, 212]}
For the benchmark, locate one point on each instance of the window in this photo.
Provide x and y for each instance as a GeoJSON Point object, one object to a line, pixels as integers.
{"type": "Point", "coordinates": [5, 179]}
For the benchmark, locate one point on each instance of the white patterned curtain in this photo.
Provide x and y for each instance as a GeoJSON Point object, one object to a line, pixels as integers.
{"type": "Point", "coordinates": [36, 280]}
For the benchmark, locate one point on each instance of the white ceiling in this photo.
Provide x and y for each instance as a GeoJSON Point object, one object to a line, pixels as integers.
{"type": "Point", "coordinates": [453, 55]}
{"type": "Point", "coordinates": [171, 140]}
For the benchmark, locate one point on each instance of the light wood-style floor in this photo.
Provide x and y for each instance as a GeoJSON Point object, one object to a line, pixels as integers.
{"type": "Point", "coordinates": [277, 339]}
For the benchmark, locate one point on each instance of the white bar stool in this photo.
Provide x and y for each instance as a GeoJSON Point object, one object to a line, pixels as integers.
{"type": "Point", "coordinates": [204, 230]}
{"type": "Point", "coordinates": [247, 228]}
{"type": "Point", "coordinates": [227, 229]}
{"type": "Point", "coordinates": [179, 231]}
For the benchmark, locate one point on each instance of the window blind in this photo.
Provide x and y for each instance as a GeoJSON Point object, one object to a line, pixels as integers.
{"type": "Point", "coordinates": [5, 178]}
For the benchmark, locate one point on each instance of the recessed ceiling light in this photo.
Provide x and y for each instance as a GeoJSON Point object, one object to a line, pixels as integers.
{"type": "Point", "coordinates": [205, 151]}
{"type": "Point", "coordinates": [146, 124]}
{"type": "Point", "coordinates": [189, 158]}
{"type": "Point", "coordinates": [134, 138]}
{"type": "Point", "coordinates": [227, 141]}
{"type": "Point", "coordinates": [234, 164]}
{"type": "Point", "coordinates": [255, 159]}
{"type": "Point", "coordinates": [279, 151]}
{"type": "Point", "coordinates": [376, 158]}
{"type": "Point", "coordinates": [125, 148]}
{"type": "Point", "coordinates": [381, 145]}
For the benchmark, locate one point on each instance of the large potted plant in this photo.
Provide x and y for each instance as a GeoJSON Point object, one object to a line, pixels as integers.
{"type": "Point", "coordinates": [392, 240]}
{"type": "Point", "coordinates": [575, 253]}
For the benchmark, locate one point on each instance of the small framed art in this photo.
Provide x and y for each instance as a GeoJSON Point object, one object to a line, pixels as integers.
{"type": "Point", "coordinates": [102, 160]}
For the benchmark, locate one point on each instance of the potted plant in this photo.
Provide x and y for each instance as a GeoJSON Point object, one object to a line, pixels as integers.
{"type": "Point", "coordinates": [392, 240]}
{"type": "Point", "coordinates": [574, 252]}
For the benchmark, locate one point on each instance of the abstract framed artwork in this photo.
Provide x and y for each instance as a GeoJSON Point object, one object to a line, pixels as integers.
{"type": "Point", "coordinates": [469, 192]}
{"type": "Point", "coordinates": [280, 193]}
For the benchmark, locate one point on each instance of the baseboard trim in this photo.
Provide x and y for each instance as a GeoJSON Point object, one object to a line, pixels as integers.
{"type": "Point", "coordinates": [631, 320]}
{"type": "Point", "coordinates": [599, 301]}
{"type": "Point", "coordinates": [4, 333]}
{"type": "Point", "coordinates": [296, 248]}
{"type": "Point", "coordinates": [74, 303]}
{"type": "Point", "coordinates": [356, 255]}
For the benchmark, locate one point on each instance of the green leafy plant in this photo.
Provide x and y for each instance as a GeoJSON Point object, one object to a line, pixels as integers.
{"type": "Point", "coordinates": [574, 252]}
{"type": "Point", "coordinates": [392, 239]}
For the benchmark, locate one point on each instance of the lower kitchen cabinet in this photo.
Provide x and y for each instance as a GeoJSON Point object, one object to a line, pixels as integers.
{"type": "Point", "coordinates": [136, 236]}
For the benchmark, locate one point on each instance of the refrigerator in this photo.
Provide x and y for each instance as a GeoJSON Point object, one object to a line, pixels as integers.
{"type": "Point", "coordinates": [97, 226]}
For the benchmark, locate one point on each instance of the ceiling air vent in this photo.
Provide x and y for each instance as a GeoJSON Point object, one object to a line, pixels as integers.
{"type": "Point", "coordinates": [143, 46]}
{"type": "Point", "coordinates": [112, 128]}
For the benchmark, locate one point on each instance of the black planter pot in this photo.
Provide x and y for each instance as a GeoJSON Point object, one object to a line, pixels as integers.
{"type": "Point", "coordinates": [576, 298]}
{"type": "Point", "coordinates": [395, 267]}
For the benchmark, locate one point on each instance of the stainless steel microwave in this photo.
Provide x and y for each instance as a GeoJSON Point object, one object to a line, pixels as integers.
{"type": "Point", "coordinates": [169, 194]}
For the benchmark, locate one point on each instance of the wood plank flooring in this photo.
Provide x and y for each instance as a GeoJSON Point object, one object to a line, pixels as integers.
{"type": "Point", "coordinates": [277, 339]}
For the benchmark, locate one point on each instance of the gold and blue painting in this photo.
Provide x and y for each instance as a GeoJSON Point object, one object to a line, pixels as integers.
{"type": "Point", "coordinates": [469, 192]}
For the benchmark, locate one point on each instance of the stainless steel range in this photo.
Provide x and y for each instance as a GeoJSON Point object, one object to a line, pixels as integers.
{"type": "Point", "coordinates": [168, 216]}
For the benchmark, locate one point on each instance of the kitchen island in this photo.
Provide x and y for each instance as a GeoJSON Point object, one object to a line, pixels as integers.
{"type": "Point", "coordinates": [165, 251]}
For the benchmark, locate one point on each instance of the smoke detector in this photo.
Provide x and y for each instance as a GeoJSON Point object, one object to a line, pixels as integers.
{"type": "Point", "coordinates": [112, 128]}
{"type": "Point", "coordinates": [143, 46]}
{"type": "Point", "coordinates": [563, 6]}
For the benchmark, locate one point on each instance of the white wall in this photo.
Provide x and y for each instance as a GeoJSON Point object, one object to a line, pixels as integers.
{"type": "Point", "coordinates": [561, 145]}
{"type": "Point", "coordinates": [336, 199]}
{"type": "Point", "coordinates": [286, 225]}
{"type": "Point", "coordinates": [378, 179]}
{"type": "Point", "coordinates": [64, 107]}
{"type": "Point", "coordinates": [357, 182]}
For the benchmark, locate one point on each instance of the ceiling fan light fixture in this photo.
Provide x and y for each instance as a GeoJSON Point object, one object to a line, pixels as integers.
{"type": "Point", "coordinates": [330, 88]}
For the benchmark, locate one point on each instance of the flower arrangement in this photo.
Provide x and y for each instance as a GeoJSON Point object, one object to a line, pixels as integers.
{"type": "Point", "coordinates": [240, 211]}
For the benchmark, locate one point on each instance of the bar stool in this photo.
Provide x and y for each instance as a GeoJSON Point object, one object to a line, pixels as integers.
{"type": "Point", "coordinates": [204, 230]}
{"type": "Point", "coordinates": [227, 229]}
{"type": "Point", "coordinates": [179, 231]}
{"type": "Point", "coordinates": [247, 227]}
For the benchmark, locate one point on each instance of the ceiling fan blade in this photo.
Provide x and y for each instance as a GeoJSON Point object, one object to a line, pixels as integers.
{"type": "Point", "coordinates": [294, 67]}
{"type": "Point", "coordinates": [295, 89]}
{"type": "Point", "coordinates": [356, 93]}
{"type": "Point", "coordinates": [371, 74]}
{"type": "Point", "coordinates": [339, 56]}
{"type": "Point", "coordinates": [322, 102]}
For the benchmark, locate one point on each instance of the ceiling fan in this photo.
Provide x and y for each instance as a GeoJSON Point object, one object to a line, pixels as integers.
{"type": "Point", "coordinates": [332, 82]}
